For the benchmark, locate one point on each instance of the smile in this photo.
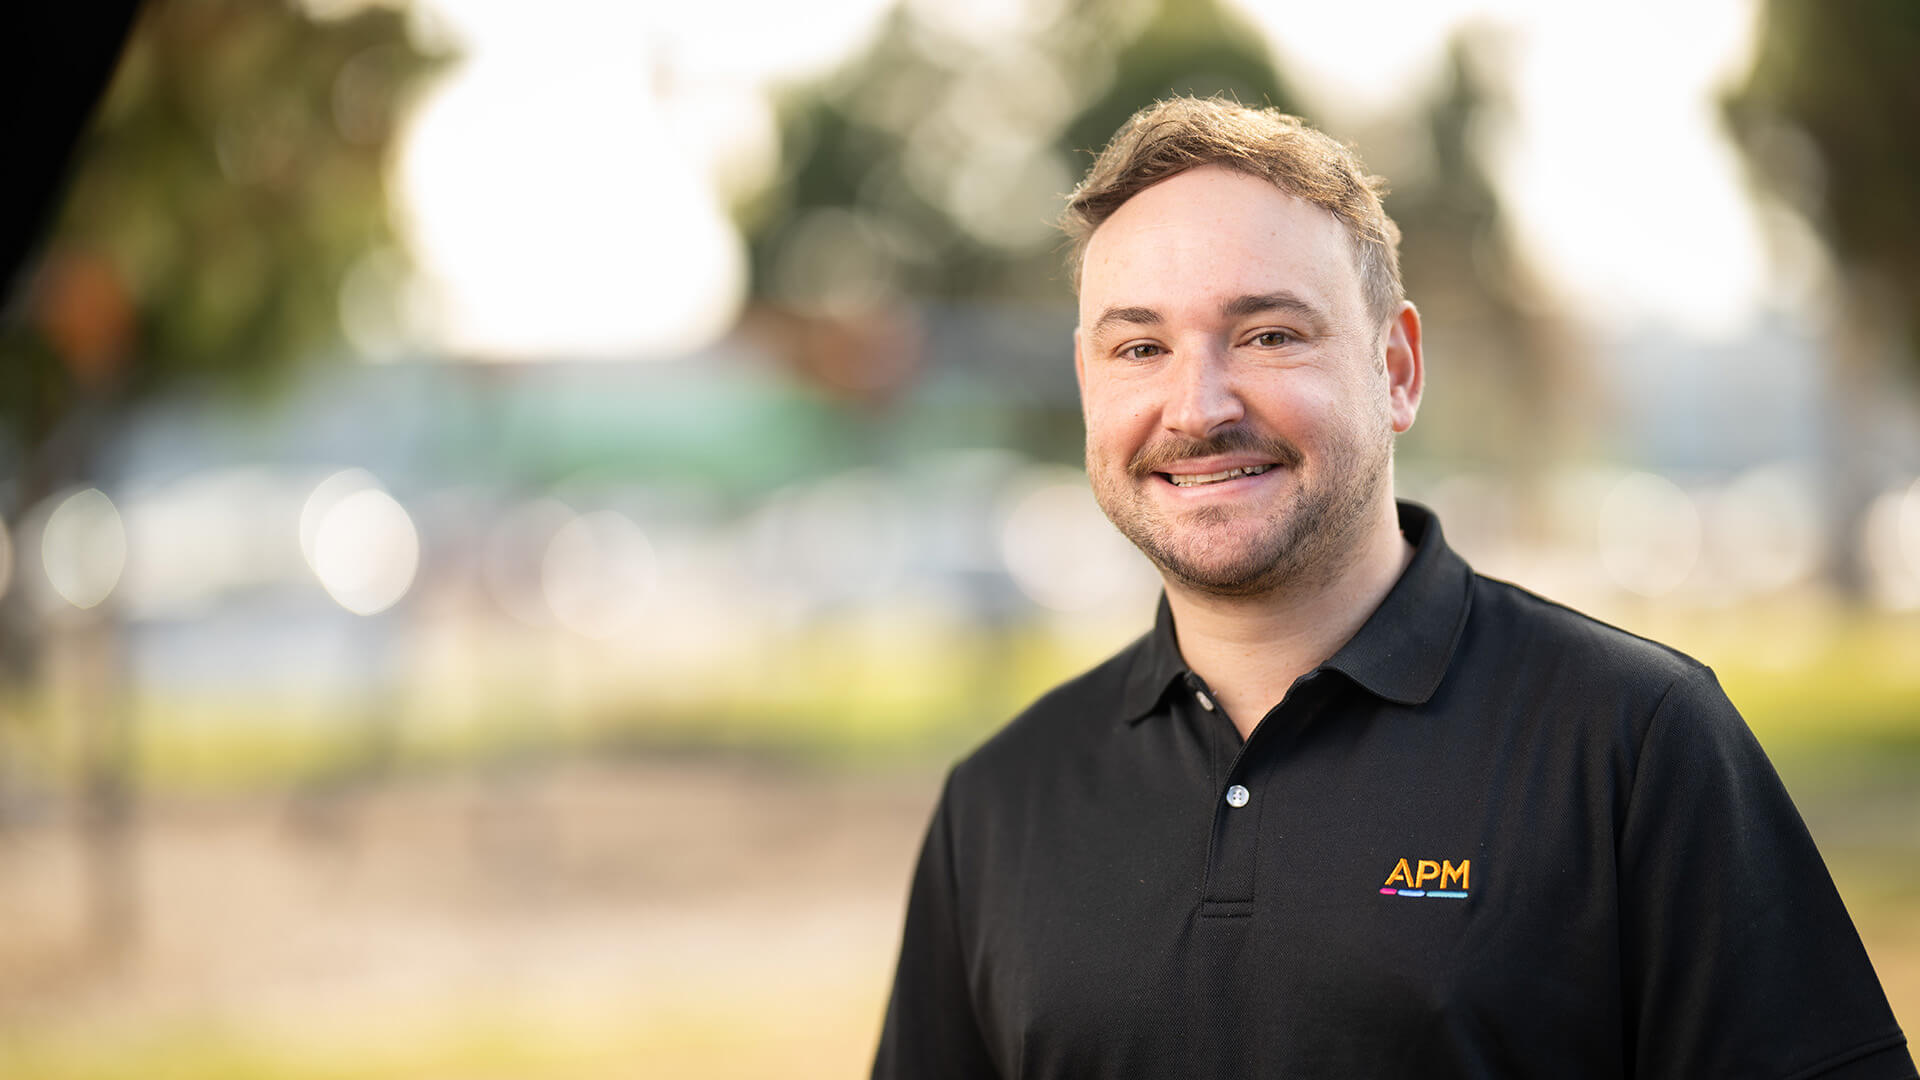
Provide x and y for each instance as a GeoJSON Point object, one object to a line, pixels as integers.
{"type": "Point", "coordinates": [1196, 479]}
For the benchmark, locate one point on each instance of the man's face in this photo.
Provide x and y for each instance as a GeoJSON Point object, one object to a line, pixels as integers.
{"type": "Point", "coordinates": [1240, 403]}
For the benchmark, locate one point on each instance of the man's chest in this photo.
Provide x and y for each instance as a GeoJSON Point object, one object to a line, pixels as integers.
{"type": "Point", "coordinates": [1330, 902]}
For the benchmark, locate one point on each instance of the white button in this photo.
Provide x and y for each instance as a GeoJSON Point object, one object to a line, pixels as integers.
{"type": "Point", "coordinates": [1237, 796]}
{"type": "Point", "coordinates": [1205, 701]}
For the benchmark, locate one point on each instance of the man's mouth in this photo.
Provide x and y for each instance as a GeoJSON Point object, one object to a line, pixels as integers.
{"type": "Point", "coordinates": [1197, 479]}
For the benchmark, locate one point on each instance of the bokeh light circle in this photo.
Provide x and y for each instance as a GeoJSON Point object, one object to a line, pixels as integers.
{"type": "Point", "coordinates": [599, 574]}
{"type": "Point", "coordinates": [83, 547]}
{"type": "Point", "coordinates": [364, 549]}
{"type": "Point", "coordinates": [1649, 534]}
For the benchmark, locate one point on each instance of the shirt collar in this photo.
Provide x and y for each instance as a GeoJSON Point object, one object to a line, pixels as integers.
{"type": "Point", "coordinates": [1156, 664]}
{"type": "Point", "coordinates": [1400, 653]}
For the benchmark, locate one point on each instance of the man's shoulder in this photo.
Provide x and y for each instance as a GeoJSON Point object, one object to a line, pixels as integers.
{"type": "Point", "coordinates": [1522, 629]}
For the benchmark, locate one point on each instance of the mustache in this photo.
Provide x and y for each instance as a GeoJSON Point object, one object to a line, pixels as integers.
{"type": "Point", "coordinates": [1156, 456]}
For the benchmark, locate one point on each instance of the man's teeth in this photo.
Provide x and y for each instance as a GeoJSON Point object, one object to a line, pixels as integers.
{"type": "Point", "coordinates": [1191, 479]}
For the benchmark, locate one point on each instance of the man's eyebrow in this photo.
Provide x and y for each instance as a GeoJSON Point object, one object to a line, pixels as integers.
{"type": "Point", "coordinates": [1242, 306]}
{"type": "Point", "coordinates": [1237, 308]}
{"type": "Point", "coordinates": [1133, 316]}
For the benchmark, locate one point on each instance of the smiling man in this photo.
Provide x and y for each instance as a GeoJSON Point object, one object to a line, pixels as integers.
{"type": "Point", "coordinates": [1349, 809]}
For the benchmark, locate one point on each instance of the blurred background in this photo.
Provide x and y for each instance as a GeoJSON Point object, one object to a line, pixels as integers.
{"type": "Point", "coordinates": [509, 510]}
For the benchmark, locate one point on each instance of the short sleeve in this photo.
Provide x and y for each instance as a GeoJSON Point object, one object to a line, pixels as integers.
{"type": "Point", "coordinates": [1738, 956]}
{"type": "Point", "coordinates": [931, 1031]}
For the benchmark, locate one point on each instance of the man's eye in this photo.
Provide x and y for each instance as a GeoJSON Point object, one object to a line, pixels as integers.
{"type": "Point", "coordinates": [1143, 351]}
{"type": "Point", "coordinates": [1272, 339]}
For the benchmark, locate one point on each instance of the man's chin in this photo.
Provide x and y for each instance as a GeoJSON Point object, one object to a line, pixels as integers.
{"type": "Point", "coordinates": [1246, 573]}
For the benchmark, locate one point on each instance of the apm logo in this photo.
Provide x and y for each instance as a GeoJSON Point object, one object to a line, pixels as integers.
{"type": "Point", "coordinates": [1452, 881]}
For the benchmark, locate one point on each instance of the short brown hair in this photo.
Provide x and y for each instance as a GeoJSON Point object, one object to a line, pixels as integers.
{"type": "Point", "coordinates": [1170, 137]}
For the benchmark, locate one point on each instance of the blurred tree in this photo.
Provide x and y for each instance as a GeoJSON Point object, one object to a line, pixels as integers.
{"type": "Point", "coordinates": [1839, 79]}
{"type": "Point", "coordinates": [232, 175]}
{"type": "Point", "coordinates": [1507, 395]}
{"type": "Point", "coordinates": [933, 165]}
{"type": "Point", "coordinates": [234, 172]}
{"type": "Point", "coordinates": [1825, 120]}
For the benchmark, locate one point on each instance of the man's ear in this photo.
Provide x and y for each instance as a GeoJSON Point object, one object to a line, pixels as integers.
{"type": "Point", "coordinates": [1406, 366]}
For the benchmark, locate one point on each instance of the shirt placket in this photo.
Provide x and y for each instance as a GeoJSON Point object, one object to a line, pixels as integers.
{"type": "Point", "coordinates": [1239, 798]}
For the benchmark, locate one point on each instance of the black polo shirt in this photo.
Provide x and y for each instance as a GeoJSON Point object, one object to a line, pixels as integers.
{"type": "Point", "coordinates": [1488, 837]}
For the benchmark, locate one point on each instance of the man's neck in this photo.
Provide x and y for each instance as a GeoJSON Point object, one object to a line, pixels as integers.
{"type": "Point", "coordinates": [1251, 649]}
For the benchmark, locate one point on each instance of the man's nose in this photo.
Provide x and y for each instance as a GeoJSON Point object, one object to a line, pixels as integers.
{"type": "Point", "coordinates": [1202, 396]}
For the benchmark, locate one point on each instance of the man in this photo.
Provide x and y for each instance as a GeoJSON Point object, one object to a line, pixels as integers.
{"type": "Point", "coordinates": [1349, 810]}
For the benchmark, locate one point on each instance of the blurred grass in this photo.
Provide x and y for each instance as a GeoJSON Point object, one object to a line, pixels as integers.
{"type": "Point", "coordinates": [834, 693]}
{"type": "Point", "coordinates": [826, 1033]}
{"type": "Point", "coordinates": [1834, 695]}
{"type": "Point", "coordinates": [1819, 688]}
{"type": "Point", "coordinates": [1805, 671]}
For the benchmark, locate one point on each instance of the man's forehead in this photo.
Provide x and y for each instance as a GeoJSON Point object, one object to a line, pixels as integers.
{"type": "Point", "coordinates": [1209, 235]}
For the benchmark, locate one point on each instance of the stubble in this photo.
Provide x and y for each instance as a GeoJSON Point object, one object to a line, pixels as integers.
{"type": "Point", "coordinates": [1214, 549]}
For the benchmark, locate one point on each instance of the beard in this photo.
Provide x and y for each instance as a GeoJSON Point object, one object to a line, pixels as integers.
{"type": "Point", "coordinates": [1236, 551]}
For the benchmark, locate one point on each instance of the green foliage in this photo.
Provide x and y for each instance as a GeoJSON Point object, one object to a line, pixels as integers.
{"type": "Point", "coordinates": [234, 172]}
{"type": "Point", "coordinates": [1198, 49]}
{"type": "Point", "coordinates": [1840, 80]}
{"type": "Point", "coordinates": [933, 165]}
